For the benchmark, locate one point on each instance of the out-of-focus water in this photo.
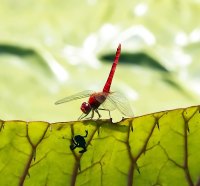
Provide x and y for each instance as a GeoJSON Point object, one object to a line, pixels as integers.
{"type": "Point", "coordinates": [49, 50]}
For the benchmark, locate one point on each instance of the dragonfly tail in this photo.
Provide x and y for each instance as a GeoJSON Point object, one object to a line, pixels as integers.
{"type": "Point", "coordinates": [112, 71]}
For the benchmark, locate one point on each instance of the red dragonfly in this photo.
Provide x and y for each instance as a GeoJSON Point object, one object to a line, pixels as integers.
{"type": "Point", "coordinates": [103, 100]}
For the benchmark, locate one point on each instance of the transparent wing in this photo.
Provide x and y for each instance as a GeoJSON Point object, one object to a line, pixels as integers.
{"type": "Point", "coordinates": [108, 105]}
{"type": "Point", "coordinates": [121, 103]}
{"type": "Point", "coordinates": [79, 95]}
{"type": "Point", "coordinates": [101, 97]}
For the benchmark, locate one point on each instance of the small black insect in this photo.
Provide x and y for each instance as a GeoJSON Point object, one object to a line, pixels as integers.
{"type": "Point", "coordinates": [79, 141]}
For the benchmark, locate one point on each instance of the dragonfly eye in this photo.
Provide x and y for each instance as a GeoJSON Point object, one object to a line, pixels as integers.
{"type": "Point", "coordinates": [85, 107]}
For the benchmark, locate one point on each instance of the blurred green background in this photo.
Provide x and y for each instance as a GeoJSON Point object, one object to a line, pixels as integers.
{"type": "Point", "coordinates": [52, 49]}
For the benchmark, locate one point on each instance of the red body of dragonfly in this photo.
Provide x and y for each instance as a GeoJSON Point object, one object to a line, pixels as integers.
{"type": "Point", "coordinates": [108, 100]}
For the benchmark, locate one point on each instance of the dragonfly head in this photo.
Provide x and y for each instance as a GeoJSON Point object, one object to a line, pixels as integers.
{"type": "Point", "coordinates": [86, 108]}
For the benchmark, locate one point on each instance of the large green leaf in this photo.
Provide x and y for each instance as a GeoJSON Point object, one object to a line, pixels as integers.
{"type": "Point", "coordinates": [155, 149]}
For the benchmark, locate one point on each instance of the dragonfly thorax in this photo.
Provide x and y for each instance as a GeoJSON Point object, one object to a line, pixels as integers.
{"type": "Point", "coordinates": [86, 108]}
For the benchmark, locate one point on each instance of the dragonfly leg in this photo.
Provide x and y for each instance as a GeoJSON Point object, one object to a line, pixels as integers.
{"type": "Point", "coordinates": [99, 115]}
{"type": "Point", "coordinates": [105, 110]}
{"type": "Point", "coordinates": [82, 116]}
{"type": "Point", "coordinates": [91, 115]}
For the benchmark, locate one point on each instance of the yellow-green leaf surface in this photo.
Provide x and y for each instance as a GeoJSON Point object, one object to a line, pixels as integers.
{"type": "Point", "coordinates": [156, 149]}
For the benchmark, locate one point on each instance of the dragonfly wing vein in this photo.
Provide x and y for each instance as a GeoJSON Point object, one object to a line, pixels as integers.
{"type": "Point", "coordinates": [76, 96]}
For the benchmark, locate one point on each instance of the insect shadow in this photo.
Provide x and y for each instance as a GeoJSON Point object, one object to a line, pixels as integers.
{"type": "Point", "coordinates": [79, 141]}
